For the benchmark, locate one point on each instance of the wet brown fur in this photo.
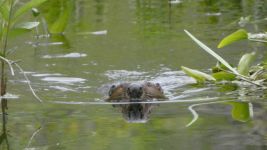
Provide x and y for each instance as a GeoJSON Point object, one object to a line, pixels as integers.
{"type": "Point", "coordinates": [150, 91]}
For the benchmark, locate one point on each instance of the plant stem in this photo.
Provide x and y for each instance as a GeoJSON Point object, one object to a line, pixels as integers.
{"type": "Point", "coordinates": [7, 28]}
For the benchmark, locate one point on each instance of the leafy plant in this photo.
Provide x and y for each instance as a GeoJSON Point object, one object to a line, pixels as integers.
{"type": "Point", "coordinates": [10, 25]}
{"type": "Point", "coordinates": [57, 19]}
{"type": "Point", "coordinates": [227, 72]}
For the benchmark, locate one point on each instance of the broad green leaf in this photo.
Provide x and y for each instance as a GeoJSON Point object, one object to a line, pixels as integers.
{"type": "Point", "coordinates": [241, 111]}
{"type": "Point", "coordinates": [200, 77]}
{"type": "Point", "coordinates": [236, 36]}
{"type": "Point", "coordinates": [4, 10]}
{"type": "Point", "coordinates": [222, 75]}
{"type": "Point", "coordinates": [211, 52]}
{"type": "Point", "coordinates": [17, 32]}
{"type": "Point", "coordinates": [245, 62]}
{"type": "Point", "coordinates": [27, 25]}
{"type": "Point", "coordinates": [27, 7]}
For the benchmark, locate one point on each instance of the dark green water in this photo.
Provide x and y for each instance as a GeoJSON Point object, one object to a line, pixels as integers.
{"type": "Point", "coordinates": [108, 42]}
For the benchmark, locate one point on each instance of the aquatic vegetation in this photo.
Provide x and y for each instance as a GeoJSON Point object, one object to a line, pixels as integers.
{"type": "Point", "coordinates": [57, 19]}
{"type": "Point", "coordinates": [242, 34]}
{"type": "Point", "coordinates": [224, 70]}
{"type": "Point", "coordinates": [10, 26]}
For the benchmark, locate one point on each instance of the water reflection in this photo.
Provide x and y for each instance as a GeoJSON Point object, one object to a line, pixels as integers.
{"type": "Point", "coordinates": [3, 138]}
{"type": "Point", "coordinates": [136, 113]}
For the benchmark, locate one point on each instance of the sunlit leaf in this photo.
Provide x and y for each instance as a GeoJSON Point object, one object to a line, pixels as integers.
{"type": "Point", "coordinates": [236, 36]}
{"type": "Point", "coordinates": [211, 52]}
{"type": "Point", "coordinates": [222, 75]}
{"type": "Point", "coordinates": [27, 25]}
{"type": "Point", "coordinates": [241, 111]}
{"type": "Point", "coordinates": [27, 7]}
{"type": "Point", "coordinates": [197, 75]}
{"type": "Point", "coordinates": [245, 62]}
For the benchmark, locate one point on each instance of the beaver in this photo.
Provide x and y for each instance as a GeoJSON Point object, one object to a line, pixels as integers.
{"type": "Point", "coordinates": [136, 92]}
{"type": "Point", "coordinates": [132, 92]}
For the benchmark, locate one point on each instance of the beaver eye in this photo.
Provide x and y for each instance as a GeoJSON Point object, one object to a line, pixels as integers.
{"type": "Point", "coordinates": [111, 90]}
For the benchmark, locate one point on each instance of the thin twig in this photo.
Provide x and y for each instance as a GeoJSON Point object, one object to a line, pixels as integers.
{"type": "Point", "coordinates": [9, 64]}
{"type": "Point", "coordinates": [28, 82]}
{"type": "Point", "coordinates": [33, 135]}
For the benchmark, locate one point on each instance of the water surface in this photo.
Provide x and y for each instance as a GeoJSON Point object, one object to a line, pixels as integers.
{"type": "Point", "coordinates": [109, 42]}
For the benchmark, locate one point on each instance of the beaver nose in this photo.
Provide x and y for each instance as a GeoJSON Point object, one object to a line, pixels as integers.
{"type": "Point", "coordinates": [135, 91]}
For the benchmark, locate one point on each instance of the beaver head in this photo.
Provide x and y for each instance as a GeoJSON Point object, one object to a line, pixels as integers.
{"type": "Point", "coordinates": [132, 92]}
{"type": "Point", "coordinates": [137, 112]}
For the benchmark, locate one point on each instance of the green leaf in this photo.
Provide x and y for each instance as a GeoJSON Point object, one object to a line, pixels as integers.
{"type": "Point", "coordinates": [23, 28]}
{"type": "Point", "coordinates": [4, 10]}
{"type": "Point", "coordinates": [17, 32]}
{"type": "Point", "coordinates": [236, 36]}
{"type": "Point", "coordinates": [211, 52]}
{"type": "Point", "coordinates": [200, 77]}
{"type": "Point", "coordinates": [245, 62]}
{"type": "Point", "coordinates": [27, 25]}
{"type": "Point", "coordinates": [222, 75]}
{"type": "Point", "coordinates": [27, 7]}
{"type": "Point", "coordinates": [241, 111]}
{"type": "Point", "coordinates": [61, 23]}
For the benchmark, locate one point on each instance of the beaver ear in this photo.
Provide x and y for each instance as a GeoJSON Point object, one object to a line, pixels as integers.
{"type": "Point", "coordinates": [159, 87]}
{"type": "Point", "coordinates": [111, 90]}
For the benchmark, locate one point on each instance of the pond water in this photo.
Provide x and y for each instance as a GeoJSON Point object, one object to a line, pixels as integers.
{"type": "Point", "coordinates": [109, 42]}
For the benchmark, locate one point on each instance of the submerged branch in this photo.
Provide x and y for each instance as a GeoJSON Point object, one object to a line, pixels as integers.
{"type": "Point", "coordinates": [28, 82]}
{"type": "Point", "coordinates": [32, 137]}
